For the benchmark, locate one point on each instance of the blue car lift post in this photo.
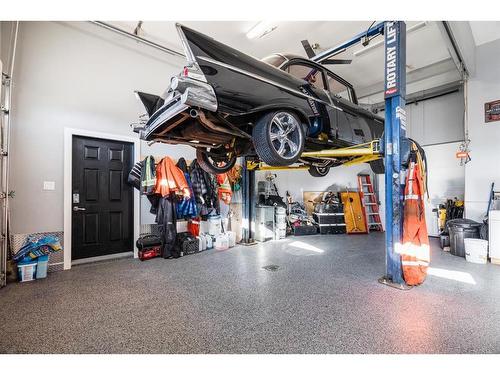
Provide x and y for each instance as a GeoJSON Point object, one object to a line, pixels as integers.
{"type": "Point", "coordinates": [395, 130]}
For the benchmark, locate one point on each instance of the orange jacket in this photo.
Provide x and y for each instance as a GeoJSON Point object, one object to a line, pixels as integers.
{"type": "Point", "coordinates": [170, 179]}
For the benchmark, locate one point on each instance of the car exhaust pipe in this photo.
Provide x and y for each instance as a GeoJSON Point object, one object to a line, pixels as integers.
{"type": "Point", "coordinates": [193, 113]}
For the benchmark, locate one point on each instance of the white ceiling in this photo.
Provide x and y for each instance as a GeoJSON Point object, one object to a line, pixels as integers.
{"type": "Point", "coordinates": [425, 46]}
{"type": "Point", "coordinates": [485, 31]}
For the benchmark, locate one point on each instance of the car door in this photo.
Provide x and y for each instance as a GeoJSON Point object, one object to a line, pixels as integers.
{"type": "Point", "coordinates": [353, 127]}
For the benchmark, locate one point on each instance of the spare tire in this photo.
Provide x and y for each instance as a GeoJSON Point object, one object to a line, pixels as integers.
{"type": "Point", "coordinates": [318, 171]}
{"type": "Point", "coordinates": [217, 165]}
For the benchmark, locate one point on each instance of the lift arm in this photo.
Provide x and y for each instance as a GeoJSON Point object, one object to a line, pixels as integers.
{"type": "Point", "coordinates": [362, 153]}
{"type": "Point", "coordinates": [373, 31]}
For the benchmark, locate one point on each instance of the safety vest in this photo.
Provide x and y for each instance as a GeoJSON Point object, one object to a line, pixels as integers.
{"type": "Point", "coordinates": [415, 254]}
{"type": "Point", "coordinates": [224, 188]}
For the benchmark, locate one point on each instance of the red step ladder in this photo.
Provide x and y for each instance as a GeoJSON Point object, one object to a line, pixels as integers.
{"type": "Point", "coordinates": [370, 204]}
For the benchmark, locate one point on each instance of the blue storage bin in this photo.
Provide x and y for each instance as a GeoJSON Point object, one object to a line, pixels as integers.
{"type": "Point", "coordinates": [42, 266]}
{"type": "Point", "coordinates": [26, 270]}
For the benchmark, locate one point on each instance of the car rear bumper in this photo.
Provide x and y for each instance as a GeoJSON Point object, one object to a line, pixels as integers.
{"type": "Point", "coordinates": [187, 93]}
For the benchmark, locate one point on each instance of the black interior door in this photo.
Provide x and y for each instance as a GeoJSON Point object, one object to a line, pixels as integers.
{"type": "Point", "coordinates": [102, 200]}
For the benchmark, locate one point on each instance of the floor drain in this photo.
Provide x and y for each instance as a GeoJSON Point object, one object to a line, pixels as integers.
{"type": "Point", "coordinates": [271, 267]}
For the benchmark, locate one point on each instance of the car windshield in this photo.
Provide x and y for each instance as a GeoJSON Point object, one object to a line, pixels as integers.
{"type": "Point", "coordinates": [274, 60]}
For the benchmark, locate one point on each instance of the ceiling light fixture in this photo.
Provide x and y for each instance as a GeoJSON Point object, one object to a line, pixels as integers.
{"type": "Point", "coordinates": [260, 29]}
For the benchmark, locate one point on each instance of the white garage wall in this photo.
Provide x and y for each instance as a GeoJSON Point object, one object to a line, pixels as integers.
{"type": "Point", "coordinates": [437, 120]}
{"type": "Point", "coordinates": [485, 137]}
{"type": "Point", "coordinates": [80, 76]}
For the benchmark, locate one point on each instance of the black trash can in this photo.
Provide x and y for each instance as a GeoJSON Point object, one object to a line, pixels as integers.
{"type": "Point", "coordinates": [459, 230]}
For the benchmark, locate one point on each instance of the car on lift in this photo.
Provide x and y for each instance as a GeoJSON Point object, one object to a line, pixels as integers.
{"type": "Point", "coordinates": [228, 104]}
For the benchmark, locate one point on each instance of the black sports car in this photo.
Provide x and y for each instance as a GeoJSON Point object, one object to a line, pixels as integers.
{"type": "Point", "coordinates": [228, 104]}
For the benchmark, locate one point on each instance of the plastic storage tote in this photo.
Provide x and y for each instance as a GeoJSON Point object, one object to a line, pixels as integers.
{"type": "Point", "coordinates": [42, 266]}
{"type": "Point", "coordinates": [26, 270]}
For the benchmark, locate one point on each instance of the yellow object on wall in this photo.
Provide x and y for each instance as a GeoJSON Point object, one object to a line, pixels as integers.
{"type": "Point", "coordinates": [353, 212]}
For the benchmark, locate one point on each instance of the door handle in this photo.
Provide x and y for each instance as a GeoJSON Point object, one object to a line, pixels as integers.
{"type": "Point", "coordinates": [79, 209]}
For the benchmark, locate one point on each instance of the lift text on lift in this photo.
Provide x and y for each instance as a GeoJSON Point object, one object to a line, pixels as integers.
{"type": "Point", "coordinates": [390, 60]}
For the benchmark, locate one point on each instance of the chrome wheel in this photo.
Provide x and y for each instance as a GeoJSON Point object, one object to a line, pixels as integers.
{"type": "Point", "coordinates": [285, 135]}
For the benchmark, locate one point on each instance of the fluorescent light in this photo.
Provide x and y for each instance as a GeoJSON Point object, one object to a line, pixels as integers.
{"type": "Point", "coordinates": [372, 46]}
{"type": "Point", "coordinates": [260, 29]}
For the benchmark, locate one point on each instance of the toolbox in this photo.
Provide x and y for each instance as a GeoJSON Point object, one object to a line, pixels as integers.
{"type": "Point", "coordinates": [330, 223]}
{"type": "Point", "coordinates": [304, 230]}
{"type": "Point", "coordinates": [149, 246]}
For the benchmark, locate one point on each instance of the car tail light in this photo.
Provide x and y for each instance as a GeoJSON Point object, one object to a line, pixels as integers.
{"type": "Point", "coordinates": [193, 72]}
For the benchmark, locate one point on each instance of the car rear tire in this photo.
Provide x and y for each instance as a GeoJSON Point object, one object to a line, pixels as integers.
{"type": "Point", "coordinates": [215, 165]}
{"type": "Point", "coordinates": [316, 171]}
{"type": "Point", "coordinates": [377, 166]}
{"type": "Point", "coordinates": [278, 138]}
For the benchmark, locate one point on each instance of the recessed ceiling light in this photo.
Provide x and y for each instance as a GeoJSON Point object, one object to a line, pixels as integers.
{"type": "Point", "coordinates": [260, 29]}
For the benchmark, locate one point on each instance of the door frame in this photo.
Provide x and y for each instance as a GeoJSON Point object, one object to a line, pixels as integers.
{"type": "Point", "coordinates": [68, 182]}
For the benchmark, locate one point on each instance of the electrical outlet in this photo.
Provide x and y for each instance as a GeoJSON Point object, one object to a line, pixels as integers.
{"type": "Point", "coordinates": [49, 185]}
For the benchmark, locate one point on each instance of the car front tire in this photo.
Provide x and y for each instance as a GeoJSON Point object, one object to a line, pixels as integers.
{"type": "Point", "coordinates": [279, 138]}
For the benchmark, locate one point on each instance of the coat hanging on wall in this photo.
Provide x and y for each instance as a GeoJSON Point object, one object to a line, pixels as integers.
{"type": "Point", "coordinates": [186, 207]}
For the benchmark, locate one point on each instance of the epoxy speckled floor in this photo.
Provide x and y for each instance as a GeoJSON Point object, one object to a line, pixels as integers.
{"type": "Point", "coordinates": [324, 298]}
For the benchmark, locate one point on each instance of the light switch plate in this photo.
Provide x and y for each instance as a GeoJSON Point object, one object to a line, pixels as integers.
{"type": "Point", "coordinates": [49, 185]}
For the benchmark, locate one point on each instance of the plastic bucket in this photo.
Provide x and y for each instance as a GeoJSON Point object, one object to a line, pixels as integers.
{"type": "Point", "coordinates": [476, 250]}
